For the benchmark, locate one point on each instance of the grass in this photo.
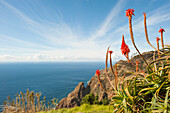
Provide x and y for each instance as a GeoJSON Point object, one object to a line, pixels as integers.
{"type": "Point", "coordinates": [85, 108]}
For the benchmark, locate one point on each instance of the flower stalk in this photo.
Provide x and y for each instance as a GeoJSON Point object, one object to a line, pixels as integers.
{"type": "Point", "coordinates": [137, 68]}
{"type": "Point", "coordinates": [106, 67]}
{"type": "Point", "coordinates": [98, 76]}
{"type": "Point", "coordinates": [157, 40]}
{"type": "Point", "coordinates": [125, 51]}
{"type": "Point", "coordinates": [116, 76]}
{"type": "Point", "coordinates": [111, 62]}
{"type": "Point", "coordinates": [161, 31]}
{"type": "Point", "coordinates": [129, 14]}
{"type": "Point", "coordinates": [146, 33]}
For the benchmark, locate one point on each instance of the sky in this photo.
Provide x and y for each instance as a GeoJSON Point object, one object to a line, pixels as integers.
{"type": "Point", "coordinates": [77, 30]}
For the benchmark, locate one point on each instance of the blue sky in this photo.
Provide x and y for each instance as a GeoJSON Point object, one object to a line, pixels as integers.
{"type": "Point", "coordinates": [76, 30]}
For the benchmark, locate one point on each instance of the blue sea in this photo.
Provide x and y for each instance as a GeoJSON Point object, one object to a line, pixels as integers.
{"type": "Point", "coordinates": [52, 79]}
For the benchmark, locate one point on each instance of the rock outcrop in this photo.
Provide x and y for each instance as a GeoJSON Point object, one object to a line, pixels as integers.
{"type": "Point", "coordinates": [74, 98]}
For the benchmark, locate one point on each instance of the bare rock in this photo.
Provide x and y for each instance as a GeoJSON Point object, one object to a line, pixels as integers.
{"type": "Point", "coordinates": [74, 98]}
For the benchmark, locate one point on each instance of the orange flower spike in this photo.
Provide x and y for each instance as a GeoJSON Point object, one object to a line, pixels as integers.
{"type": "Point", "coordinates": [157, 39]}
{"type": "Point", "coordinates": [129, 12]}
{"type": "Point", "coordinates": [161, 31]}
{"type": "Point", "coordinates": [144, 14]}
{"type": "Point", "coordinates": [110, 52]}
{"type": "Point", "coordinates": [137, 62]}
{"type": "Point", "coordinates": [97, 72]}
{"type": "Point", "coordinates": [124, 48]}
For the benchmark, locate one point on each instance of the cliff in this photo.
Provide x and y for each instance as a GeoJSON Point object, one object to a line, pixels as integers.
{"type": "Point", "coordinates": [74, 98]}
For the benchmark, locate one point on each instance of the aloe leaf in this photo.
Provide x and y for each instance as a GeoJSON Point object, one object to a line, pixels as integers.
{"type": "Point", "coordinates": [118, 98]}
{"type": "Point", "coordinates": [166, 99]}
{"type": "Point", "coordinates": [123, 90]}
{"type": "Point", "coordinates": [145, 89]}
{"type": "Point", "coordinates": [157, 91]}
{"type": "Point", "coordinates": [129, 95]}
{"type": "Point", "coordinates": [125, 105]}
{"type": "Point", "coordinates": [157, 111]}
{"type": "Point", "coordinates": [134, 93]}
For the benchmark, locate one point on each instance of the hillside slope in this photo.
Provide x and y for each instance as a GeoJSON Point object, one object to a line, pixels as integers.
{"type": "Point", "coordinates": [74, 98]}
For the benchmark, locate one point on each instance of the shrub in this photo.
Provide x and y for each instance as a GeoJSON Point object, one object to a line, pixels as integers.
{"type": "Point", "coordinates": [29, 102]}
{"type": "Point", "coordinates": [105, 101]}
{"type": "Point", "coordinates": [88, 99]}
{"type": "Point", "coordinates": [91, 99]}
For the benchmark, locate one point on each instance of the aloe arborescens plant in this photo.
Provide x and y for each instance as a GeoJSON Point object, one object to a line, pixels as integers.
{"type": "Point", "coordinates": [147, 93]}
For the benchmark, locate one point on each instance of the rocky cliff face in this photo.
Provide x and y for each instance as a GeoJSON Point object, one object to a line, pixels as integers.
{"type": "Point", "coordinates": [74, 98]}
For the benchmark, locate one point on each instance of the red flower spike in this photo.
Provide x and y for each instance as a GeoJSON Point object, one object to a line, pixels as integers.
{"type": "Point", "coordinates": [124, 48]}
{"type": "Point", "coordinates": [161, 30]}
{"type": "Point", "coordinates": [144, 14]}
{"type": "Point", "coordinates": [157, 39]}
{"type": "Point", "coordinates": [137, 62]}
{"type": "Point", "coordinates": [97, 72]}
{"type": "Point", "coordinates": [129, 12]}
{"type": "Point", "coordinates": [110, 52]}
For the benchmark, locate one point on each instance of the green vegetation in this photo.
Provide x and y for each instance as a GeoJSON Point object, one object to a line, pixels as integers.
{"type": "Point", "coordinates": [29, 102]}
{"type": "Point", "coordinates": [91, 99]}
{"type": "Point", "coordinates": [145, 91]}
{"type": "Point", "coordinates": [105, 101]}
{"type": "Point", "coordinates": [85, 108]}
{"type": "Point", "coordinates": [145, 94]}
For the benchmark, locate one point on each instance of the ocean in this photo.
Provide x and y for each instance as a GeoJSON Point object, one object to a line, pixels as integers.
{"type": "Point", "coordinates": [52, 79]}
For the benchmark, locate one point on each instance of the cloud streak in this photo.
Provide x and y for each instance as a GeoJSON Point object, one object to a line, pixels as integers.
{"type": "Point", "coordinates": [109, 21]}
{"type": "Point", "coordinates": [63, 42]}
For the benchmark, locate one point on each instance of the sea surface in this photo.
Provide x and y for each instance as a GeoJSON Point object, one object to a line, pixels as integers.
{"type": "Point", "coordinates": [52, 79]}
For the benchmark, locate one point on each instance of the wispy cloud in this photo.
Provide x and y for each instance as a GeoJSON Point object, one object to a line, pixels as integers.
{"type": "Point", "coordinates": [21, 43]}
{"type": "Point", "coordinates": [64, 42]}
{"type": "Point", "coordinates": [55, 34]}
{"type": "Point", "coordinates": [60, 35]}
{"type": "Point", "coordinates": [110, 21]}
